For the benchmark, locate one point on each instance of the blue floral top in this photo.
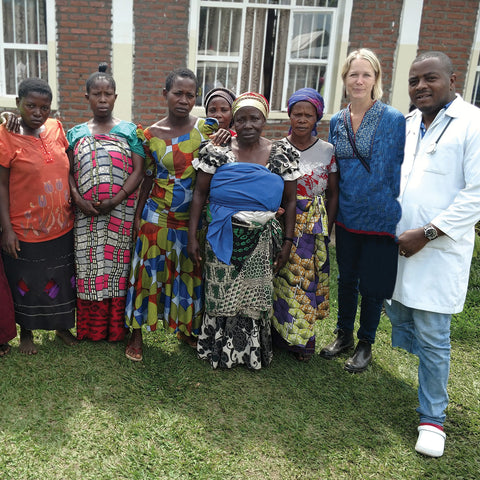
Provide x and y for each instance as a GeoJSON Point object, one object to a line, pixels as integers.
{"type": "Point", "coordinates": [368, 200]}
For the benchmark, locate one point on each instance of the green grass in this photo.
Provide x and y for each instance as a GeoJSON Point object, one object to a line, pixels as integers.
{"type": "Point", "coordinates": [89, 413]}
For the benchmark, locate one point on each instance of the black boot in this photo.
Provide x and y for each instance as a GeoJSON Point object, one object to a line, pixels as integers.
{"type": "Point", "coordinates": [362, 356]}
{"type": "Point", "coordinates": [342, 343]}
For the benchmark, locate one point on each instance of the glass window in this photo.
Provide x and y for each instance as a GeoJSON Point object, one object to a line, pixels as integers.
{"type": "Point", "coordinates": [476, 87]}
{"type": "Point", "coordinates": [269, 46]}
{"type": "Point", "coordinates": [23, 46]}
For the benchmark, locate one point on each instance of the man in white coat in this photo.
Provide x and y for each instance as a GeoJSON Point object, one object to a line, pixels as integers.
{"type": "Point", "coordinates": [440, 199]}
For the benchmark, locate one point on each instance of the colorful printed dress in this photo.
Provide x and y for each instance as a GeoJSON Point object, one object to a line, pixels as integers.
{"type": "Point", "coordinates": [302, 286]}
{"type": "Point", "coordinates": [102, 164]}
{"type": "Point", "coordinates": [164, 283]}
{"type": "Point", "coordinates": [236, 327]}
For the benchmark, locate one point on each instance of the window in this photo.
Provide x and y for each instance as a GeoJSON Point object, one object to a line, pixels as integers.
{"type": "Point", "coordinates": [269, 46]}
{"type": "Point", "coordinates": [476, 87]}
{"type": "Point", "coordinates": [23, 45]}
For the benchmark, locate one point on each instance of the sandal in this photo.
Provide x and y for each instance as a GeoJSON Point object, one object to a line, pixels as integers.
{"type": "Point", "coordinates": [136, 351]}
{"type": "Point", "coordinates": [4, 349]}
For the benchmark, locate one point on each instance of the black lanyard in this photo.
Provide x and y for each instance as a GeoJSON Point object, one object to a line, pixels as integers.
{"type": "Point", "coordinates": [352, 143]}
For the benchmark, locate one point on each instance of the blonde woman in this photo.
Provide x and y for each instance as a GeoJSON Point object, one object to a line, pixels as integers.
{"type": "Point", "coordinates": [369, 139]}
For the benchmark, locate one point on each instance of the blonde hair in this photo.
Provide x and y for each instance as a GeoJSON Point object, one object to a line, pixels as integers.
{"type": "Point", "coordinates": [366, 54]}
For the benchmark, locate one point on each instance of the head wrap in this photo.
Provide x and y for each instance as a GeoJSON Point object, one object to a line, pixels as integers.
{"type": "Point", "coordinates": [251, 99]}
{"type": "Point", "coordinates": [308, 95]}
{"type": "Point", "coordinates": [224, 93]}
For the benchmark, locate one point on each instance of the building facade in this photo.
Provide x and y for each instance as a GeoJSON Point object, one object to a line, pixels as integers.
{"type": "Point", "coordinates": [270, 46]}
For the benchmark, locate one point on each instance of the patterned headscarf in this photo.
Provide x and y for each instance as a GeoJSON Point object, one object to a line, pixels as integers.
{"type": "Point", "coordinates": [308, 95]}
{"type": "Point", "coordinates": [224, 93]}
{"type": "Point", "coordinates": [251, 99]}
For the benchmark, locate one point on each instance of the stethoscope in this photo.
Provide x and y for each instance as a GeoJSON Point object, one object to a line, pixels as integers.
{"type": "Point", "coordinates": [432, 148]}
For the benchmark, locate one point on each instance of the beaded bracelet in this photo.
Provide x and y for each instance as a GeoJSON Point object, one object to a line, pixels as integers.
{"type": "Point", "coordinates": [126, 193]}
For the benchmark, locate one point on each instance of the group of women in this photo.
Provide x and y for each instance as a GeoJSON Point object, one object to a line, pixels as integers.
{"type": "Point", "coordinates": [228, 241]}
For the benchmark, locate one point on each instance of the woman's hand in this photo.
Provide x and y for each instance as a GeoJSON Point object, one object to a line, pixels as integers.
{"type": "Point", "coordinates": [11, 121]}
{"type": "Point", "coordinates": [10, 243]}
{"type": "Point", "coordinates": [193, 249]}
{"type": "Point", "coordinates": [87, 207]}
{"type": "Point", "coordinates": [220, 137]}
{"type": "Point", "coordinates": [282, 256]}
{"type": "Point", "coordinates": [106, 206]}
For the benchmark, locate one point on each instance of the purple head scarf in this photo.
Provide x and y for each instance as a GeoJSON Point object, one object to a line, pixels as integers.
{"type": "Point", "coordinates": [308, 95]}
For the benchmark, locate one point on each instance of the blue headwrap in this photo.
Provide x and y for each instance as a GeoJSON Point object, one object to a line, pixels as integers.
{"type": "Point", "coordinates": [308, 95]}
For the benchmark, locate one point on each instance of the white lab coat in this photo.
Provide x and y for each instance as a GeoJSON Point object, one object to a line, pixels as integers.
{"type": "Point", "coordinates": [442, 188]}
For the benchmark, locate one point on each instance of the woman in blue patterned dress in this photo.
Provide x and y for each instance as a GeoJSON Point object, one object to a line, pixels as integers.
{"type": "Point", "coordinates": [369, 139]}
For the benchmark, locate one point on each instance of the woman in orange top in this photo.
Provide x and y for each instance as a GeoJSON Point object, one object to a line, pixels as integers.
{"type": "Point", "coordinates": [36, 218]}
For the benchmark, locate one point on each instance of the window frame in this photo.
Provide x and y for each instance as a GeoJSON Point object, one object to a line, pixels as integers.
{"type": "Point", "coordinates": [340, 24]}
{"type": "Point", "coordinates": [8, 100]}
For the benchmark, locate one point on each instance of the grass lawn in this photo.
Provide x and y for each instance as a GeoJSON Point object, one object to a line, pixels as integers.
{"type": "Point", "coordinates": [89, 413]}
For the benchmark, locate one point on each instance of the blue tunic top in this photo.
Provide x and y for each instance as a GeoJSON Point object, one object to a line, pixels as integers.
{"type": "Point", "coordinates": [368, 200]}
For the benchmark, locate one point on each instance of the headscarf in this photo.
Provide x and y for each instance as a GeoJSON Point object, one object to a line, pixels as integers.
{"type": "Point", "coordinates": [251, 99]}
{"type": "Point", "coordinates": [308, 95]}
{"type": "Point", "coordinates": [224, 93]}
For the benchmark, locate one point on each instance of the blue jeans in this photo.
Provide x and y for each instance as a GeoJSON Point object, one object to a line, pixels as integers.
{"type": "Point", "coordinates": [367, 264]}
{"type": "Point", "coordinates": [427, 335]}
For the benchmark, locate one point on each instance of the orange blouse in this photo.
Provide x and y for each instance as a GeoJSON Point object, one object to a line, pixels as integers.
{"type": "Point", "coordinates": [40, 207]}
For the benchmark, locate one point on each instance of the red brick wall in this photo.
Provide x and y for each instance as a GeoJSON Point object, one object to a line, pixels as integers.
{"type": "Point", "coordinates": [449, 26]}
{"type": "Point", "coordinates": [161, 44]}
{"type": "Point", "coordinates": [84, 39]}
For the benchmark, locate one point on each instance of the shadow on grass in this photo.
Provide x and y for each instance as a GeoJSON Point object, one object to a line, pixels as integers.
{"type": "Point", "coordinates": [172, 413]}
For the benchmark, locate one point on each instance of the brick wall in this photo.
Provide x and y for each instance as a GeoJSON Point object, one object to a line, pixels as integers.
{"type": "Point", "coordinates": [449, 26]}
{"type": "Point", "coordinates": [83, 40]}
{"type": "Point", "coordinates": [161, 44]}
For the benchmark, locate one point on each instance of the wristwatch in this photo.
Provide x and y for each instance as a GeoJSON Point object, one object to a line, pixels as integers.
{"type": "Point", "coordinates": [430, 232]}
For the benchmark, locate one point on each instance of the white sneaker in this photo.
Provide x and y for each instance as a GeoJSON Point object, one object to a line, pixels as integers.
{"type": "Point", "coordinates": [431, 441]}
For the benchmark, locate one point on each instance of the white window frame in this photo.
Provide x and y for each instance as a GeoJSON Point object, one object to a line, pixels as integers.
{"type": "Point", "coordinates": [8, 101]}
{"type": "Point", "coordinates": [337, 49]}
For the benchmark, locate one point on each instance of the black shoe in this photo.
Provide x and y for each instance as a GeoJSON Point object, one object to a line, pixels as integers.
{"type": "Point", "coordinates": [342, 343]}
{"type": "Point", "coordinates": [362, 356]}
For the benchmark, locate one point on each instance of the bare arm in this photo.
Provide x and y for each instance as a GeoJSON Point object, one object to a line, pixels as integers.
{"type": "Point", "coordinates": [332, 200]}
{"type": "Point", "coordinates": [289, 203]}
{"type": "Point", "coordinates": [200, 194]}
{"type": "Point", "coordinates": [10, 242]}
{"type": "Point", "coordinates": [145, 188]}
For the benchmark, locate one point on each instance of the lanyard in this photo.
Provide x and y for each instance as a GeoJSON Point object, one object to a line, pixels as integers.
{"type": "Point", "coordinates": [352, 143]}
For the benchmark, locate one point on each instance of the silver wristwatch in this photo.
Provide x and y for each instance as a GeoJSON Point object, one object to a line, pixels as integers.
{"type": "Point", "coordinates": [430, 232]}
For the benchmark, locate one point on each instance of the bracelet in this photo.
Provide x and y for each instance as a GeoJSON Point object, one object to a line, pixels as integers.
{"type": "Point", "coordinates": [126, 193]}
{"type": "Point", "coordinates": [288, 239]}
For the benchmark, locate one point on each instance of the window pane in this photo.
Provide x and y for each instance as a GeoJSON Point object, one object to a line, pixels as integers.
{"type": "Point", "coordinates": [216, 74]}
{"type": "Point", "coordinates": [21, 64]}
{"type": "Point", "coordinates": [7, 21]}
{"type": "Point", "coordinates": [311, 35]}
{"type": "Point", "coordinates": [476, 91]}
{"type": "Point", "coordinates": [219, 32]}
{"type": "Point", "coordinates": [24, 21]}
{"type": "Point", "coordinates": [271, 2]}
{"type": "Point", "coordinates": [301, 76]}
{"type": "Point", "coordinates": [317, 3]}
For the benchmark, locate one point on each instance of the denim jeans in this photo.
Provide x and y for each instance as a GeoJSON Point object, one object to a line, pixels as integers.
{"type": "Point", "coordinates": [367, 264]}
{"type": "Point", "coordinates": [427, 335]}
